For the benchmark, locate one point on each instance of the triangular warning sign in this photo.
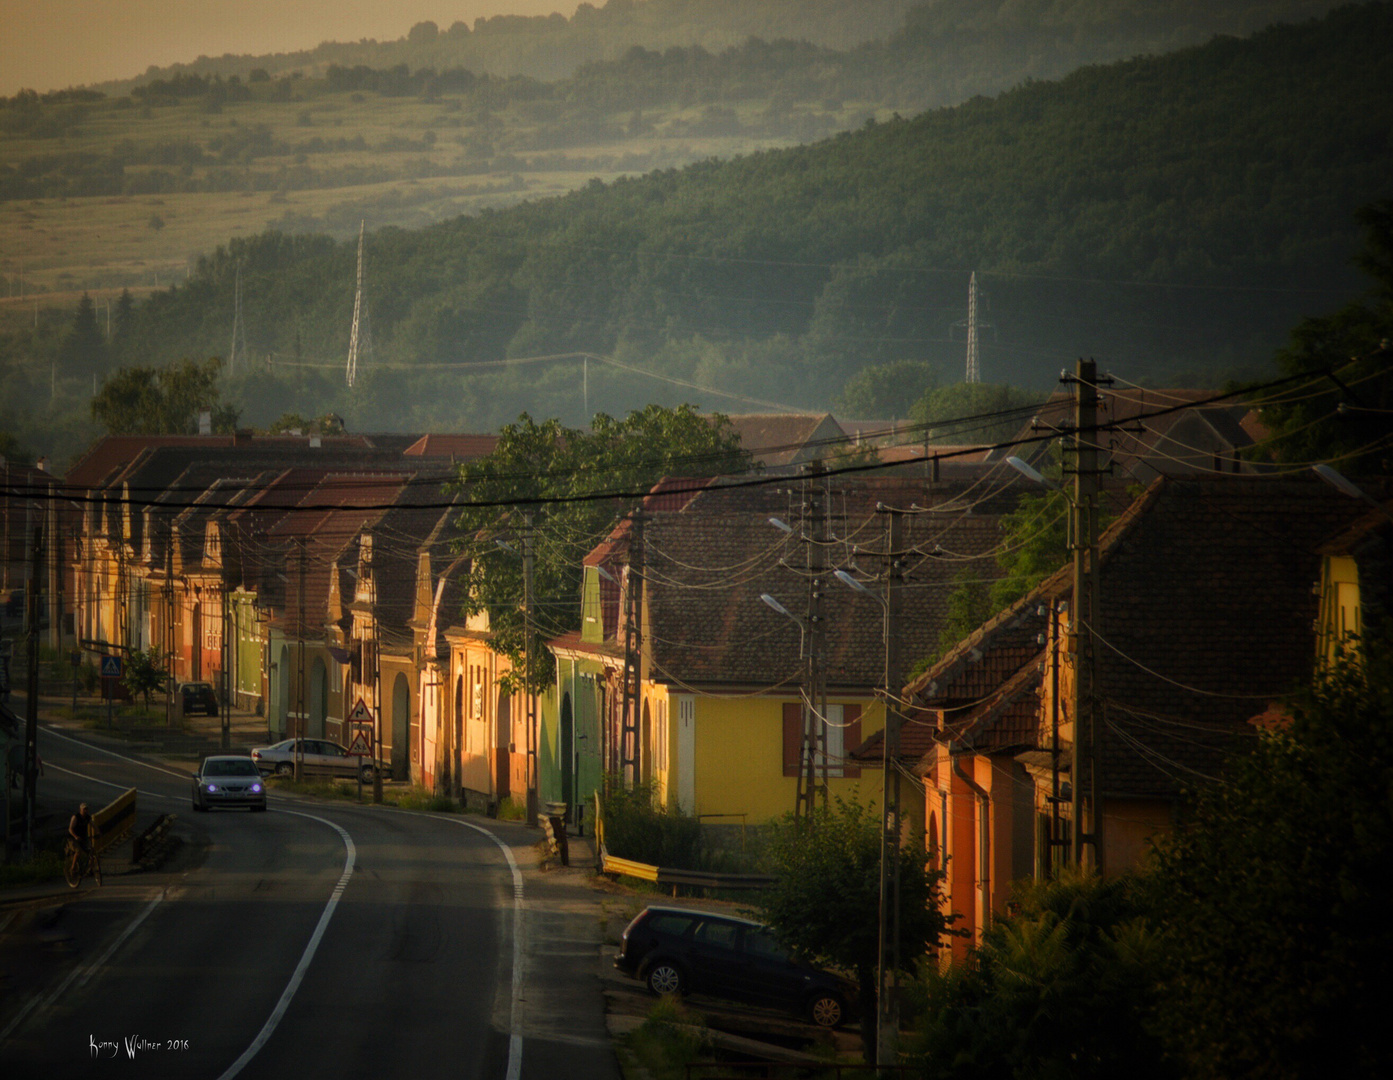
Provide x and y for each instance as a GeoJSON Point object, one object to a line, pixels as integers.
{"type": "Point", "coordinates": [361, 714]}
{"type": "Point", "coordinates": [361, 744]}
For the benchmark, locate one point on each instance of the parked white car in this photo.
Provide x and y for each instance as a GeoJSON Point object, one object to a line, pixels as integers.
{"type": "Point", "coordinates": [319, 757]}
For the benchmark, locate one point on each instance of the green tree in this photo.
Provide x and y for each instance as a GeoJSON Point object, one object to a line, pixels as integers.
{"type": "Point", "coordinates": [827, 900]}
{"type": "Point", "coordinates": [162, 401]}
{"type": "Point", "coordinates": [1348, 420]}
{"type": "Point", "coordinates": [1061, 988]}
{"type": "Point", "coordinates": [1275, 895]}
{"type": "Point", "coordinates": [144, 672]}
{"type": "Point", "coordinates": [83, 352]}
{"type": "Point", "coordinates": [974, 412]}
{"type": "Point", "coordinates": [574, 484]}
{"type": "Point", "coordinates": [886, 391]}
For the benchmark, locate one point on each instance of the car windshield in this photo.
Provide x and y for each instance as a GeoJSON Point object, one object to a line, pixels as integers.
{"type": "Point", "coordinates": [230, 768]}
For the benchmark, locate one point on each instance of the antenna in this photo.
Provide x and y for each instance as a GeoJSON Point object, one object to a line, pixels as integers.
{"type": "Point", "coordinates": [239, 328]}
{"type": "Point", "coordinates": [360, 340]}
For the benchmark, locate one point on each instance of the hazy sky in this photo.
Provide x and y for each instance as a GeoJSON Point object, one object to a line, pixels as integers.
{"type": "Point", "coordinates": [51, 44]}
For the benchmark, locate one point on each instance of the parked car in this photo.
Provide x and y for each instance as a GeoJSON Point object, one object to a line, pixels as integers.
{"type": "Point", "coordinates": [319, 756]}
{"type": "Point", "coordinates": [199, 697]}
{"type": "Point", "coordinates": [228, 780]}
{"type": "Point", "coordinates": [678, 951]}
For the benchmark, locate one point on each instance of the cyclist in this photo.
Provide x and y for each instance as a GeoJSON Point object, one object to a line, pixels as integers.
{"type": "Point", "coordinates": [80, 829]}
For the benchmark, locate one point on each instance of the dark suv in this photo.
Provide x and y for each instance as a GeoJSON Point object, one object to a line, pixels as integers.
{"type": "Point", "coordinates": [676, 951]}
{"type": "Point", "coordinates": [199, 697]}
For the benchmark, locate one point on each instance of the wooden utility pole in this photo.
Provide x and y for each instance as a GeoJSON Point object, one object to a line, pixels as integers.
{"type": "Point", "coordinates": [31, 703]}
{"type": "Point", "coordinates": [888, 952]}
{"type": "Point", "coordinates": [529, 698]}
{"type": "Point", "coordinates": [814, 752]}
{"type": "Point", "coordinates": [629, 765]}
{"type": "Point", "coordinates": [299, 728]}
{"type": "Point", "coordinates": [1085, 753]}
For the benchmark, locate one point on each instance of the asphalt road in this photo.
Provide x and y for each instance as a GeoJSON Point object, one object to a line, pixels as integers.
{"type": "Point", "coordinates": [317, 939]}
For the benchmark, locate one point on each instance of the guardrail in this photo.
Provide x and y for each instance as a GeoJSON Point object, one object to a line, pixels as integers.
{"type": "Point", "coordinates": [668, 876]}
{"type": "Point", "coordinates": [113, 822]}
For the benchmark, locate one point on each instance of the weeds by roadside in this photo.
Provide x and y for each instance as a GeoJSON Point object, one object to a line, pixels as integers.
{"type": "Point", "coordinates": [43, 866]}
{"type": "Point", "coordinates": [669, 1040]}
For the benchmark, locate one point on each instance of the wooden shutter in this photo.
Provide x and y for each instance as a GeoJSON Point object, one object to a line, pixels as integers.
{"type": "Point", "coordinates": [851, 738]}
{"type": "Point", "coordinates": [793, 737]}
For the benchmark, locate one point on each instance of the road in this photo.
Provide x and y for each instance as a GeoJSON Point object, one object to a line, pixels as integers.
{"type": "Point", "coordinates": [318, 939]}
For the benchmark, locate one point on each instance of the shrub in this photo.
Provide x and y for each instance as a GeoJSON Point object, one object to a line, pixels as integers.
{"type": "Point", "coordinates": [636, 829]}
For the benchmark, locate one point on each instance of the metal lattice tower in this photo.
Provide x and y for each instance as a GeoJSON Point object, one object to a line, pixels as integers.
{"type": "Point", "coordinates": [360, 340]}
{"type": "Point", "coordinates": [974, 370]}
{"type": "Point", "coordinates": [238, 351]}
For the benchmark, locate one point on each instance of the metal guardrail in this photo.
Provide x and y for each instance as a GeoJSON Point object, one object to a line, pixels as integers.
{"type": "Point", "coordinates": [149, 845]}
{"type": "Point", "coordinates": [668, 876]}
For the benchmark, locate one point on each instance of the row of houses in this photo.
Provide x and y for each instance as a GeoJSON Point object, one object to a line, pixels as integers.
{"type": "Point", "coordinates": [308, 575]}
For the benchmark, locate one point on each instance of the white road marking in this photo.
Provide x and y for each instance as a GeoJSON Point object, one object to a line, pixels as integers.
{"type": "Point", "coordinates": [291, 987]}
{"type": "Point", "coordinates": [41, 1003]}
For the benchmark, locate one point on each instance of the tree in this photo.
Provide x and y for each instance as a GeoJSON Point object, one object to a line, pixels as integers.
{"type": "Point", "coordinates": [886, 390]}
{"type": "Point", "coordinates": [536, 464]}
{"type": "Point", "coordinates": [974, 412]}
{"type": "Point", "coordinates": [162, 401]}
{"type": "Point", "coordinates": [84, 352]}
{"type": "Point", "coordinates": [144, 672]}
{"type": "Point", "coordinates": [826, 902]}
{"type": "Point", "coordinates": [1275, 895]}
{"type": "Point", "coordinates": [1352, 344]}
{"type": "Point", "coordinates": [1063, 987]}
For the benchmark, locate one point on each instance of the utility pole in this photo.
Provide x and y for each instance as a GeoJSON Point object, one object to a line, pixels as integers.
{"type": "Point", "coordinates": [888, 952]}
{"type": "Point", "coordinates": [31, 703]}
{"type": "Point", "coordinates": [224, 661]}
{"type": "Point", "coordinates": [299, 732]}
{"type": "Point", "coordinates": [814, 756]}
{"type": "Point", "coordinates": [169, 626]}
{"type": "Point", "coordinates": [529, 698]}
{"type": "Point", "coordinates": [633, 655]}
{"type": "Point", "coordinates": [1085, 753]}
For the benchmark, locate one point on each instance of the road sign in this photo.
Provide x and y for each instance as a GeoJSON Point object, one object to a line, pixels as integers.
{"type": "Point", "coordinates": [111, 667]}
{"type": "Point", "coordinates": [361, 744]}
{"type": "Point", "coordinates": [361, 714]}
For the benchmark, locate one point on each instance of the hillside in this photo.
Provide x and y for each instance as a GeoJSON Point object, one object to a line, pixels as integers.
{"type": "Point", "coordinates": [1172, 216]}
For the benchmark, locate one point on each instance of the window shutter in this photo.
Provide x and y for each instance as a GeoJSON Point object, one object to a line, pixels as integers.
{"type": "Point", "coordinates": [793, 737]}
{"type": "Point", "coordinates": [851, 739]}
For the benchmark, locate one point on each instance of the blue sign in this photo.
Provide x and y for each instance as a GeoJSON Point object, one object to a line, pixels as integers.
{"type": "Point", "coordinates": [111, 667]}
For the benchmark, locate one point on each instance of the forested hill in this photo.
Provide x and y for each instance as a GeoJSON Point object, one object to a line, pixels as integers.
{"type": "Point", "coordinates": [1171, 216]}
{"type": "Point", "coordinates": [985, 41]}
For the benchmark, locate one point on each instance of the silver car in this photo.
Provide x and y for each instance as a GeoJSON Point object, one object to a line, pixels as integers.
{"type": "Point", "coordinates": [228, 780]}
{"type": "Point", "coordinates": [319, 757]}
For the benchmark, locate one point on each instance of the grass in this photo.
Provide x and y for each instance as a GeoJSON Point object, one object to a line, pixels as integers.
{"type": "Point", "coordinates": [103, 243]}
{"type": "Point", "coordinates": [321, 788]}
{"type": "Point", "coordinates": [512, 810]}
{"type": "Point", "coordinates": [670, 1039]}
{"type": "Point", "coordinates": [418, 798]}
{"type": "Point", "coordinates": [45, 865]}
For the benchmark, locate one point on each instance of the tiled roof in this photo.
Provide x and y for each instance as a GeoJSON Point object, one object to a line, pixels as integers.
{"type": "Point", "coordinates": [457, 447]}
{"type": "Point", "coordinates": [777, 439]}
{"type": "Point", "coordinates": [708, 565]}
{"type": "Point", "coordinates": [1207, 609]}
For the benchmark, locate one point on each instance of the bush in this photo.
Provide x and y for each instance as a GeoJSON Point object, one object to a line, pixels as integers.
{"type": "Point", "coordinates": [636, 829]}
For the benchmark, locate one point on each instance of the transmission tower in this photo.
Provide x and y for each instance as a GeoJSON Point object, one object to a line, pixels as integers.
{"type": "Point", "coordinates": [238, 351]}
{"type": "Point", "coordinates": [360, 341]}
{"type": "Point", "coordinates": [974, 370]}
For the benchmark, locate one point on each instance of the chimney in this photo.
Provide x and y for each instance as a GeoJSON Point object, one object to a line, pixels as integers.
{"type": "Point", "coordinates": [205, 422]}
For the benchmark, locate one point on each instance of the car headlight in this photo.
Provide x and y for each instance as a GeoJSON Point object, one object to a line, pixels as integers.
{"type": "Point", "coordinates": [210, 788]}
{"type": "Point", "coordinates": [256, 788]}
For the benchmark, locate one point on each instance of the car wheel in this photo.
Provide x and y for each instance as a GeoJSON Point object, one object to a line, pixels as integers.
{"type": "Point", "coordinates": [369, 774]}
{"type": "Point", "coordinates": [666, 978]}
{"type": "Point", "coordinates": [826, 1010]}
{"type": "Point", "coordinates": [284, 768]}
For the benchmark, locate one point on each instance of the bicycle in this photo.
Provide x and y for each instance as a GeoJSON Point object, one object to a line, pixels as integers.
{"type": "Point", "coordinates": [77, 864]}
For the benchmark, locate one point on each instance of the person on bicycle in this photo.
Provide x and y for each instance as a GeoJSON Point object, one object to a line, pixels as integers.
{"type": "Point", "coordinates": [80, 828]}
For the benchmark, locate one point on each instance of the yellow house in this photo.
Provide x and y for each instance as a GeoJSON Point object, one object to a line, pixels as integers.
{"type": "Point", "coordinates": [1354, 582]}
{"type": "Point", "coordinates": [730, 684]}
